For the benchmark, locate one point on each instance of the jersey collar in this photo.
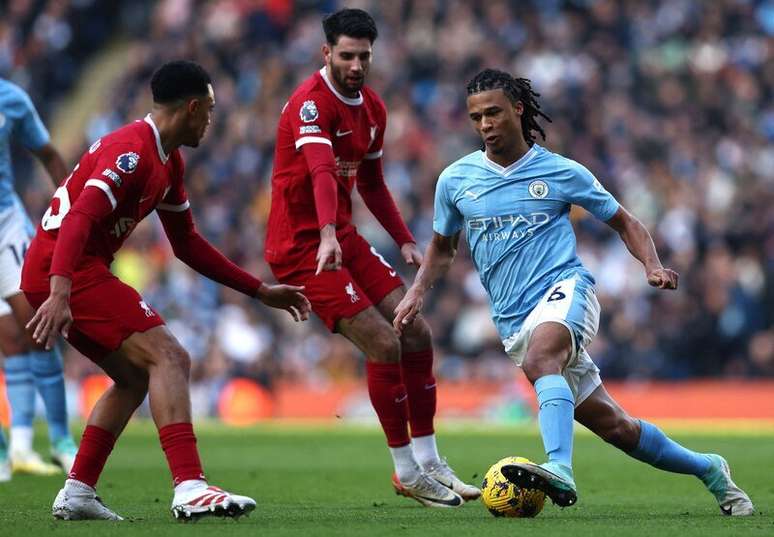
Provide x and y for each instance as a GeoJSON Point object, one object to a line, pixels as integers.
{"type": "Point", "coordinates": [356, 101]}
{"type": "Point", "coordinates": [163, 156]}
{"type": "Point", "coordinates": [529, 155]}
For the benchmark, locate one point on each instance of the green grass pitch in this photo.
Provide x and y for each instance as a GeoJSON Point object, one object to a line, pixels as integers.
{"type": "Point", "coordinates": [334, 480]}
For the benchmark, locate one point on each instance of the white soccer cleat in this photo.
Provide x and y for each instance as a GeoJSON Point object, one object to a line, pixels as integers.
{"type": "Point", "coordinates": [442, 472]}
{"type": "Point", "coordinates": [63, 454]}
{"type": "Point", "coordinates": [207, 500]}
{"type": "Point", "coordinates": [79, 501]}
{"type": "Point", "coordinates": [732, 500]}
{"type": "Point", "coordinates": [30, 462]}
{"type": "Point", "coordinates": [428, 492]}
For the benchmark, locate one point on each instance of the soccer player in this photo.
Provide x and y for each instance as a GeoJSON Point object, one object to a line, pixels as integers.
{"type": "Point", "coordinates": [329, 139]}
{"type": "Point", "coordinates": [513, 200]}
{"type": "Point", "coordinates": [27, 366]}
{"type": "Point", "coordinates": [121, 179]}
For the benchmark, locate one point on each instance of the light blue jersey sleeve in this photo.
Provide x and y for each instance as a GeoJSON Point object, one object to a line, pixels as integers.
{"type": "Point", "coordinates": [30, 131]}
{"type": "Point", "coordinates": [447, 219]}
{"type": "Point", "coordinates": [585, 190]}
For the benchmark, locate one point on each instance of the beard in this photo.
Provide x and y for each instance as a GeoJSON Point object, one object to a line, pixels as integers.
{"type": "Point", "coordinates": [340, 77]}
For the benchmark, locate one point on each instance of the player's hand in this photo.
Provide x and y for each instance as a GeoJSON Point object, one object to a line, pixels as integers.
{"type": "Point", "coordinates": [52, 318]}
{"type": "Point", "coordinates": [408, 309]}
{"type": "Point", "coordinates": [329, 252]}
{"type": "Point", "coordinates": [663, 278]}
{"type": "Point", "coordinates": [411, 254]}
{"type": "Point", "coordinates": [286, 297]}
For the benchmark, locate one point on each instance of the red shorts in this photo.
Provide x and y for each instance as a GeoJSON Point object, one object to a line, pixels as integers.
{"type": "Point", "coordinates": [104, 315]}
{"type": "Point", "coordinates": [365, 279]}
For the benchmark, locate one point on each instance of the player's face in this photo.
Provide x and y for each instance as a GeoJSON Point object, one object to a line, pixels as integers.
{"type": "Point", "coordinates": [348, 62]}
{"type": "Point", "coordinates": [496, 119]}
{"type": "Point", "coordinates": [199, 117]}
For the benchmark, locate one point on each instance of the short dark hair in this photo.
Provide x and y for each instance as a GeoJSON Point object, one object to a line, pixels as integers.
{"type": "Point", "coordinates": [516, 89]}
{"type": "Point", "coordinates": [177, 80]}
{"type": "Point", "coordinates": [350, 22]}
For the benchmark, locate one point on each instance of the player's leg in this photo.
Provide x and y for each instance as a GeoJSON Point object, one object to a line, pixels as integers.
{"type": "Point", "coordinates": [46, 371]}
{"type": "Point", "coordinates": [416, 362]}
{"type": "Point", "coordinates": [5, 461]}
{"type": "Point", "coordinates": [373, 335]}
{"type": "Point", "coordinates": [646, 442]}
{"type": "Point", "coordinates": [20, 387]}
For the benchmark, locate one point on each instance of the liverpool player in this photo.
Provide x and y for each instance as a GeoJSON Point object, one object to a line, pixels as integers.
{"type": "Point", "coordinates": [120, 180]}
{"type": "Point", "coordinates": [329, 139]}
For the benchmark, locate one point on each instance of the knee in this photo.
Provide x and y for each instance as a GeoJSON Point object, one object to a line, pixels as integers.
{"type": "Point", "coordinates": [386, 347]}
{"type": "Point", "coordinates": [540, 364]}
{"type": "Point", "coordinates": [174, 356]}
{"type": "Point", "coordinates": [623, 433]}
{"type": "Point", "coordinates": [417, 336]}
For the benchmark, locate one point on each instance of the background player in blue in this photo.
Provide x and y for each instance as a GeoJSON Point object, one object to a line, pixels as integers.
{"type": "Point", "coordinates": [513, 200]}
{"type": "Point", "coordinates": [27, 365]}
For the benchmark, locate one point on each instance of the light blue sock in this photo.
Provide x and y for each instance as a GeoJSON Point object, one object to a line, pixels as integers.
{"type": "Point", "coordinates": [658, 450]}
{"type": "Point", "coordinates": [556, 415]}
{"type": "Point", "coordinates": [46, 369]}
{"type": "Point", "coordinates": [21, 390]}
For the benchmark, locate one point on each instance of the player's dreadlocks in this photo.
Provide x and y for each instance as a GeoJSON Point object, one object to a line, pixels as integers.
{"type": "Point", "coordinates": [516, 89]}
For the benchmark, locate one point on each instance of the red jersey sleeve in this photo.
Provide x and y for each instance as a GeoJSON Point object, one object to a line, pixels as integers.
{"type": "Point", "coordinates": [312, 118]}
{"type": "Point", "coordinates": [113, 171]}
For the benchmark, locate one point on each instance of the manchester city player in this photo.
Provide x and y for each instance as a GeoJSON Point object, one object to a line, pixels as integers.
{"type": "Point", "coordinates": [27, 365]}
{"type": "Point", "coordinates": [513, 200]}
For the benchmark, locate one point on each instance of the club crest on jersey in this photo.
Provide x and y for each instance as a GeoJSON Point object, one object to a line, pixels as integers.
{"type": "Point", "coordinates": [538, 189]}
{"type": "Point", "coordinates": [308, 112]}
{"type": "Point", "coordinates": [93, 147]}
{"type": "Point", "coordinates": [350, 290]}
{"type": "Point", "coordinates": [127, 162]}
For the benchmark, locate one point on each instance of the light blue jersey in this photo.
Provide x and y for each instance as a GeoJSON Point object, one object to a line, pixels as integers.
{"type": "Point", "coordinates": [18, 121]}
{"type": "Point", "coordinates": [517, 224]}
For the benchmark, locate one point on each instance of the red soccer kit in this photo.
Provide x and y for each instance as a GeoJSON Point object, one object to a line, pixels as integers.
{"type": "Point", "coordinates": [326, 144]}
{"type": "Point", "coordinates": [120, 180]}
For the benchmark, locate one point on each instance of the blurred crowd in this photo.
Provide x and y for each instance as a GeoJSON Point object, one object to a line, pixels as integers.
{"type": "Point", "coordinates": [668, 102]}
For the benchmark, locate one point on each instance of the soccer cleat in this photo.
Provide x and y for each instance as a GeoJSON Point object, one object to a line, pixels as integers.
{"type": "Point", "coordinates": [78, 501]}
{"type": "Point", "coordinates": [442, 472]}
{"type": "Point", "coordinates": [5, 468]}
{"type": "Point", "coordinates": [552, 478]}
{"type": "Point", "coordinates": [732, 500]}
{"type": "Point", "coordinates": [29, 462]}
{"type": "Point", "coordinates": [63, 453]}
{"type": "Point", "coordinates": [206, 500]}
{"type": "Point", "coordinates": [428, 492]}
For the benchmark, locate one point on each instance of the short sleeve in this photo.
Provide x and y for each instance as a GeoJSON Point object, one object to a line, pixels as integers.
{"type": "Point", "coordinates": [586, 190]}
{"type": "Point", "coordinates": [30, 131]}
{"type": "Point", "coordinates": [447, 219]}
{"type": "Point", "coordinates": [176, 199]}
{"type": "Point", "coordinates": [377, 133]}
{"type": "Point", "coordinates": [115, 168]}
{"type": "Point", "coordinates": [312, 117]}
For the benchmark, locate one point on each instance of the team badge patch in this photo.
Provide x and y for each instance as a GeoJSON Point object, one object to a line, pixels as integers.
{"type": "Point", "coordinates": [538, 189]}
{"type": "Point", "coordinates": [127, 162]}
{"type": "Point", "coordinates": [308, 112]}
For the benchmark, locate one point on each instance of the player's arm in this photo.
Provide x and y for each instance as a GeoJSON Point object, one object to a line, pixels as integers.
{"type": "Point", "coordinates": [379, 200]}
{"type": "Point", "coordinates": [439, 256]}
{"type": "Point", "coordinates": [54, 316]}
{"type": "Point", "coordinates": [52, 161]}
{"type": "Point", "coordinates": [639, 242]}
{"type": "Point", "coordinates": [197, 252]}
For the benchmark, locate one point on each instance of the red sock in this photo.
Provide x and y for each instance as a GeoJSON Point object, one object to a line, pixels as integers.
{"type": "Point", "coordinates": [388, 396]}
{"type": "Point", "coordinates": [96, 445]}
{"type": "Point", "coordinates": [179, 444]}
{"type": "Point", "coordinates": [417, 371]}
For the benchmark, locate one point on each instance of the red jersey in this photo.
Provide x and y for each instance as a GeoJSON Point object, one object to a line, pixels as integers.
{"type": "Point", "coordinates": [129, 166]}
{"type": "Point", "coordinates": [318, 114]}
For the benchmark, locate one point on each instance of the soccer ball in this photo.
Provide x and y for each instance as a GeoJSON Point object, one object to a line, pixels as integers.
{"type": "Point", "coordinates": [503, 498]}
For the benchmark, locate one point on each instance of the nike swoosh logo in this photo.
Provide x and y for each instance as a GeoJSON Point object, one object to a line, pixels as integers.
{"type": "Point", "coordinates": [471, 194]}
{"type": "Point", "coordinates": [429, 386]}
{"type": "Point", "coordinates": [392, 273]}
{"type": "Point", "coordinates": [452, 502]}
{"type": "Point", "coordinates": [401, 399]}
{"type": "Point", "coordinates": [344, 133]}
{"type": "Point", "coordinates": [726, 510]}
{"type": "Point", "coordinates": [145, 198]}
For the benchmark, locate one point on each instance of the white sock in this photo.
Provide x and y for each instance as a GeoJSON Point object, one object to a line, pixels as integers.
{"type": "Point", "coordinates": [75, 484]}
{"type": "Point", "coordinates": [190, 484]}
{"type": "Point", "coordinates": [425, 450]}
{"type": "Point", "coordinates": [21, 439]}
{"type": "Point", "coordinates": [406, 466]}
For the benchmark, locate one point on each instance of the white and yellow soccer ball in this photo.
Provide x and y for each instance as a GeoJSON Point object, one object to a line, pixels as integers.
{"type": "Point", "coordinates": [504, 499]}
